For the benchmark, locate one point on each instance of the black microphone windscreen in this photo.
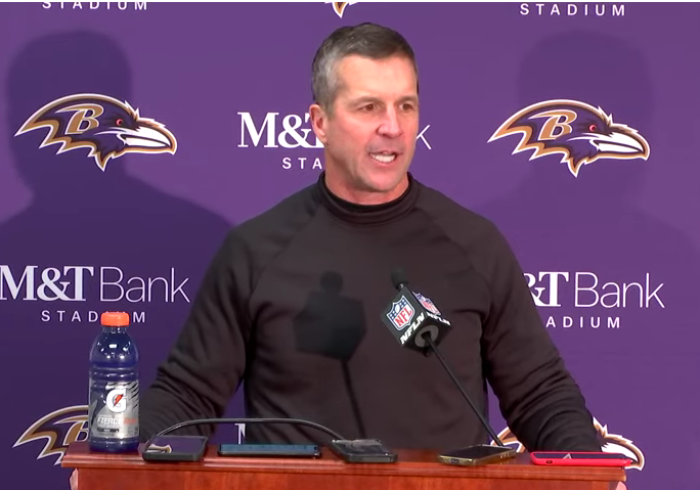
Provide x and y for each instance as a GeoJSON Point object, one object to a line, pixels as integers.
{"type": "Point", "coordinates": [398, 277]}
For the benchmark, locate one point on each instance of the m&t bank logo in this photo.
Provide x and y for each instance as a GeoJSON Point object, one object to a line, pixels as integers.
{"type": "Point", "coordinates": [578, 290]}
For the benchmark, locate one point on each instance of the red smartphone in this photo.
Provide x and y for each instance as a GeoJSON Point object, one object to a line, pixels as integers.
{"type": "Point", "coordinates": [579, 458]}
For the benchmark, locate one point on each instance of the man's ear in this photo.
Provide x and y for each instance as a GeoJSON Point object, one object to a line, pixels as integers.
{"type": "Point", "coordinates": [319, 122]}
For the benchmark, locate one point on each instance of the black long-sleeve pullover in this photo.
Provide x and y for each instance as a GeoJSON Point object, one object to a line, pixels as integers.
{"type": "Point", "coordinates": [291, 305]}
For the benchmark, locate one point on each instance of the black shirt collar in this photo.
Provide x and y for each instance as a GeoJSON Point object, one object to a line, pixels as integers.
{"type": "Point", "coordinates": [368, 214]}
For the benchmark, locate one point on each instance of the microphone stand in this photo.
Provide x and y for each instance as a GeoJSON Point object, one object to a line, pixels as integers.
{"type": "Point", "coordinates": [429, 341]}
{"type": "Point", "coordinates": [243, 420]}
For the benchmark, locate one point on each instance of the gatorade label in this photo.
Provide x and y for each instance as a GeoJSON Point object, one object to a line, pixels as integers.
{"type": "Point", "coordinates": [114, 410]}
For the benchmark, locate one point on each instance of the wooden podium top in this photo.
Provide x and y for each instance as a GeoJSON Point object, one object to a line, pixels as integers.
{"type": "Point", "coordinates": [411, 465]}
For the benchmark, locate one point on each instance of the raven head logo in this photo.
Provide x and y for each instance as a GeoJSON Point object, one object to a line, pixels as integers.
{"type": "Point", "coordinates": [615, 443]}
{"type": "Point", "coordinates": [60, 428]}
{"type": "Point", "coordinates": [339, 7]}
{"type": "Point", "coordinates": [578, 131]}
{"type": "Point", "coordinates": [103, 124]}
{"type": "Point", "coordinates": [610, 443]}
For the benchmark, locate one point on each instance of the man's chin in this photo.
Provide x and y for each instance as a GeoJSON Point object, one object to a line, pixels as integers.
{"type": "Point", "coordinates": [384, 183]}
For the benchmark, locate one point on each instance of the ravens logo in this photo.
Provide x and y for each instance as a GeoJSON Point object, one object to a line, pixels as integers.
{"type": "Point", "coordinates": [580, 132]}
{"type": "Point", "coordinates": [103, 124]}
{"type": "Point", "coordinates": [339, 7]}
{"type": "Point", "coordinates": [614, 443]}
{"type": "Point", "coordinates": [610, 443]}
{"type": "Point", "coordinates": [60, 428]}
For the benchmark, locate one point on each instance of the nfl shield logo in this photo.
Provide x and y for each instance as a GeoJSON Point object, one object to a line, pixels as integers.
{"type": "Point", "coordinates": [427, 304]}
{"type": "Point", "coordinates": [401, 313]}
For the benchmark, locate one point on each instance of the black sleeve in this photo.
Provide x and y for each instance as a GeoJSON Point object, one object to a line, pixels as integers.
{"type": "Point", "coordinates": [207, 362]}
{"type": "Point", "coordinates": [542, 404]}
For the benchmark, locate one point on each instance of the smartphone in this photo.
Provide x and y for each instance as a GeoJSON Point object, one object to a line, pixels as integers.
{"type": "Point", "coordinates": [579, 458]}
{"type": "Point", "coordinates": [271, 450]}
{"type": "Point", "coordinates": [362, 451]}
{"type": "Point", "coordinates": [476, 455]}
{"type": "Point", "coordinates": [175, 448]}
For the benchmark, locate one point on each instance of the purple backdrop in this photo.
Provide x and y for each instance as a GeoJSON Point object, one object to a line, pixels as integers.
{"type": "Point", "coordinates": [611, 251]}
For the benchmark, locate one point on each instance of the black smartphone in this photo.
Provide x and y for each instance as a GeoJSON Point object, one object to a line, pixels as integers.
{"type": "Point", "coordinates": [175, 448]}
{"type": "Point", "coordinates": [476, 455]}
{"type": "Point", "coordinates": [362, 451]}
{"type": "Point", "coordinates": [271, 450]}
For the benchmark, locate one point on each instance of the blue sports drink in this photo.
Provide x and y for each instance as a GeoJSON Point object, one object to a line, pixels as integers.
{"type": "Point", "coordinates": [113, 414]}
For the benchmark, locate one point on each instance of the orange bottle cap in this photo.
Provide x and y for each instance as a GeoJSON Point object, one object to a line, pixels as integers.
{"type": "Point", "coordinates": [114, 319]}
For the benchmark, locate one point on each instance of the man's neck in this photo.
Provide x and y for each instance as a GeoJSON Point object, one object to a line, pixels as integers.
{"type": "Point", "coordinates": [340, 188]}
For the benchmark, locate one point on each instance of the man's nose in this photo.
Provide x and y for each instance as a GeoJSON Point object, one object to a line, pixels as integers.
{"type": "Point", "coordinates": [390, 125]}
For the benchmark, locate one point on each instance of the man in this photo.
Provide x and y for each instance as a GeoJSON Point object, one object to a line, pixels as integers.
{"type": "Point", "coordinates": [292, 301]}
{"type": "Point", "coordinates": [365, 216]}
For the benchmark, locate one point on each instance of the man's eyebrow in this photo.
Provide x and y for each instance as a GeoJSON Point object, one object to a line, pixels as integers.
{"type": "Point", "coordinates": [409, 98]}
{"type": "Point", "coordinates": [370, 98]}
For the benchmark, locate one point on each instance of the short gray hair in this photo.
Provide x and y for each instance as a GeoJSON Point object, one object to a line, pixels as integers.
{"type": "Point", "coordinates": [367, 40]}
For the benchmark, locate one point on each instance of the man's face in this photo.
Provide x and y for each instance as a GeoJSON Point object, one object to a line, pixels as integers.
{"type": "Point", "coordinates": [371, 134]}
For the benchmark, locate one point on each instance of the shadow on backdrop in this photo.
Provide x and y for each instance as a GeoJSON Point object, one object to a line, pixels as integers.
{"type": "Point", "coordinates": [82, 216]}
{"type": "Point", "coordinates": [557, 222]}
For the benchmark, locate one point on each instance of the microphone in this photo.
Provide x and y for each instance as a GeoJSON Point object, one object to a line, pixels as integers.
{"type": "Point", "coordinates": [412, 318]}
{"type": "Point", "coordinates": [417, 324]}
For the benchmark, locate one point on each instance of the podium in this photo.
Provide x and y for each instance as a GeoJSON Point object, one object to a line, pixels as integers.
{"type": "Point", "coordinates": [415, 470]}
